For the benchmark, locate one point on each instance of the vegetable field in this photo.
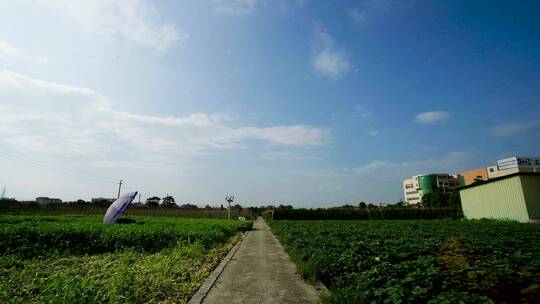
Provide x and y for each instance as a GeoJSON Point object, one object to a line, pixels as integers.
{"type": "Point", "coordinates": [77, 259]}
{"type": "Point", "coordinates": [417, 261]}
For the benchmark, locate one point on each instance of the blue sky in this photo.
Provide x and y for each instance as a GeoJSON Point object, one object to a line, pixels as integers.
{"type": "Point", "coordinates": [310, 103]}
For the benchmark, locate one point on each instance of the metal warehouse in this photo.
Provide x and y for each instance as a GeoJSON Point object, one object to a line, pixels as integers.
{"type": "Point", "coordinates": [514, 197]}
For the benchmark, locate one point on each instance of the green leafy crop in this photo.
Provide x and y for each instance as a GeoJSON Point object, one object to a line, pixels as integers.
{"type": "Point", "coordinates": [418, 261]}
{"type": "Point", "coordinates": [77, 259]}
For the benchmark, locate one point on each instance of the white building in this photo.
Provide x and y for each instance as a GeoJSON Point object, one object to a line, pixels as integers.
{"type": "Point", "coordinates": [419, 185]}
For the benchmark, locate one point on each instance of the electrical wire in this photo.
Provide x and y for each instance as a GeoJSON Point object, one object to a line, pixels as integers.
{"type": "Point", "coordinates": [48, 167]}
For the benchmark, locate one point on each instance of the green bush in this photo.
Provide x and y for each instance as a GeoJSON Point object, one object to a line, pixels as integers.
{"type": "Point", "coordinates": [77, 259]}
{"type": "Point", "coordinates": [417, 261]}
{"type": "Point", "coordinates": [388, 213]}
{"type": "Point", "coordinates": [44, 235]}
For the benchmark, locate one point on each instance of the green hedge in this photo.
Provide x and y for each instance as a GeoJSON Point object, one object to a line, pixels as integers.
{"type": "Point", "coordinates": [367, 214]}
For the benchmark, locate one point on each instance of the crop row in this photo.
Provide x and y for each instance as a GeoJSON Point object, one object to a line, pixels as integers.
{"type": "Point", "coordinates": [382, 213]}
{"type": "Point", "coordinates": [31, 236]}
{"type": "Point", "coordinates": [77, 259]}
{"type": "Point", "coordinates": [417, 261]}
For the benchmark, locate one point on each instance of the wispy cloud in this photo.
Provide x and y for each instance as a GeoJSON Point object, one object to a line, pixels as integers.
{"type": "Point", "coordinates": [134, 20]}
{"type": "Point", "coordinates": [450, 163]}
{"type": "Point", "coordinates": [371, 132]}
{"type": "Point", "coordinates": [432, 117]}
{"type": "Point", "coordinates": [9, 51]}
{"type": "Point", "coordinates": [509, 129]}
{"type": "Point", "coordinates": [235, 7]}
{"type": "Point", "coordinates": [245, 7]}
{"type": "Point", "coordinates": [331, 63]}
{"type": "Point", "coordinates": [361, 112]}
{"type": "Point", "coordinates": [358, 15]}
{"type": "Point", "coordinates": [366, 11]}
{"type": "Point", "coordinates": [38, 113]}
{"type": "Point", "coordinates": [329, 60]}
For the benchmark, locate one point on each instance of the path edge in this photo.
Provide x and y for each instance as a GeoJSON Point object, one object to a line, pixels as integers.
{"type": "Point", "coordinates": [319, 286]}
{"type": "Point", "coordinates": [209, 282]}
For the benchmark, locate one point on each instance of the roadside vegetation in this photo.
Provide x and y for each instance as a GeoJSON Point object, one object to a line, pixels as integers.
{"type": "Point", "coordinates": [417, 261]}
{"type": "Point", "coordinates": [77, 259]}
{"type": "Point", "coordinates": [154, 206]}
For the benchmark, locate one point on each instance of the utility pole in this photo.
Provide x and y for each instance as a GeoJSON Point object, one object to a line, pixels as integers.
{"type": "Point", "coordinates": [229, 199]}
{"type": "Point", "coordinates": [120, 187]}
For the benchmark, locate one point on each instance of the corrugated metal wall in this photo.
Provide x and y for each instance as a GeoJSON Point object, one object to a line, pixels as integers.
{"type": "Point", "coordinates": [501, 199]}
{"type": "Point", "coordinates": [531, 186]}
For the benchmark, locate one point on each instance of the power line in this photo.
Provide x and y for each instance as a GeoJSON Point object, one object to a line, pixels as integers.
{"type": "Point", "coordinates": [48, 167]}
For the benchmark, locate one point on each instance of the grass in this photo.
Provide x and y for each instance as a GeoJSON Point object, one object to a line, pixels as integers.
{"type": "Point", "coordinates": [417, 261]}
{"type": "Point", "coordinates": [76, 259]}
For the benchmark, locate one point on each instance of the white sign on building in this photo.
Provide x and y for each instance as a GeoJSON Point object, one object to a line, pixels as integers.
{"type": "Point", "coordinates": [522, 162]}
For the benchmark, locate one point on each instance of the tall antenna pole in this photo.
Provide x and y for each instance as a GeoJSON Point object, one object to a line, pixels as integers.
{"type": "Point", "coordinates": [120, 187]}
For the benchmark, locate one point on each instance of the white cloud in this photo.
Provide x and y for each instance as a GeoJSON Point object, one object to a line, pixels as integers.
{"type": "Point", "coordinates": [450, 163]}
{"type": "Point", "coordinates": [297, 135]}
{"type": "Point", "coordinates": [361, 112]}
{"type": "Point", "coordinates": [235, 7]}
{"type": "Point", "coordinates": [133, 20]}
{"type": "Point", "coordinates": [432, 117]}
{"type": "Point", "coordinates": [331, 63]}
{"type": "Point", "coordinates": [9, 51]}
{"type": "Point", "coordinates": [329, 60]}
{"type": "Point", "coordinates": [47, 117]}
{"type": "Point", "coordinates": [10, 80]}
{"type": "Point", "coordinates": [369, 10]}
{"type": "Point", "coordinates": [510, 129]}
{"type": "Point", "coordinates": [371, 132]}
{"type": "Point", "coordinates": [358, 16]}
{"type": "Point", "coordinates": [244, 7]}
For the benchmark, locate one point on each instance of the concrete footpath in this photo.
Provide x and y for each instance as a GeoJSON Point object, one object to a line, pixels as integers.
{"type": "Point", "coordinates": [261, 272]}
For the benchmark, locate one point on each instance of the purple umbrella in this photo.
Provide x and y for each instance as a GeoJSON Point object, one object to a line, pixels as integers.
{"type": "Point", "coordinates": [117, 207]}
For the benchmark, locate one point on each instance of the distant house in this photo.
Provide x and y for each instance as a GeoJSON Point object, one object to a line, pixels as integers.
{"type": "Point", "coordinates": [43, 200]}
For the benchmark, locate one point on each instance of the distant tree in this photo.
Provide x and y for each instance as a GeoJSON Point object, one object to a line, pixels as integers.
{"type": "Point", "coordinates": [168, 202]}
{"type": "Point", "coordinates": [347, 207]}
{"type": "Point", "coordinates": [221, 207]}
{"type": "Point", "coordinates": [454, 200]}
{"type": "Point", "coordinates": [285, 207]}
{"type": "Point", "coordinates": [137, 205]}
{"type": "Point", "coordinates": [207, 207]}
{"type": "Point", "coordinates": [189, 206]}
{"type": "Point", "coordinates": [438, 199]}
{"type": "Point", "coordinates": [255, 211]}
{"type": "Point", "coordinates": [428, 201]}
{"type": "Point", "coordinates": [101, 202]}
{"type": "Point", "coordinates": [362, 205]}
{"type": "Point", "coordinates": [237, 207]}
{"type": "Point", "coordinates": [78, 203]}
{"type": "Point", "coordinates": [8, 202]}
{"type": "Point", "coordinates": [153, 201]}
